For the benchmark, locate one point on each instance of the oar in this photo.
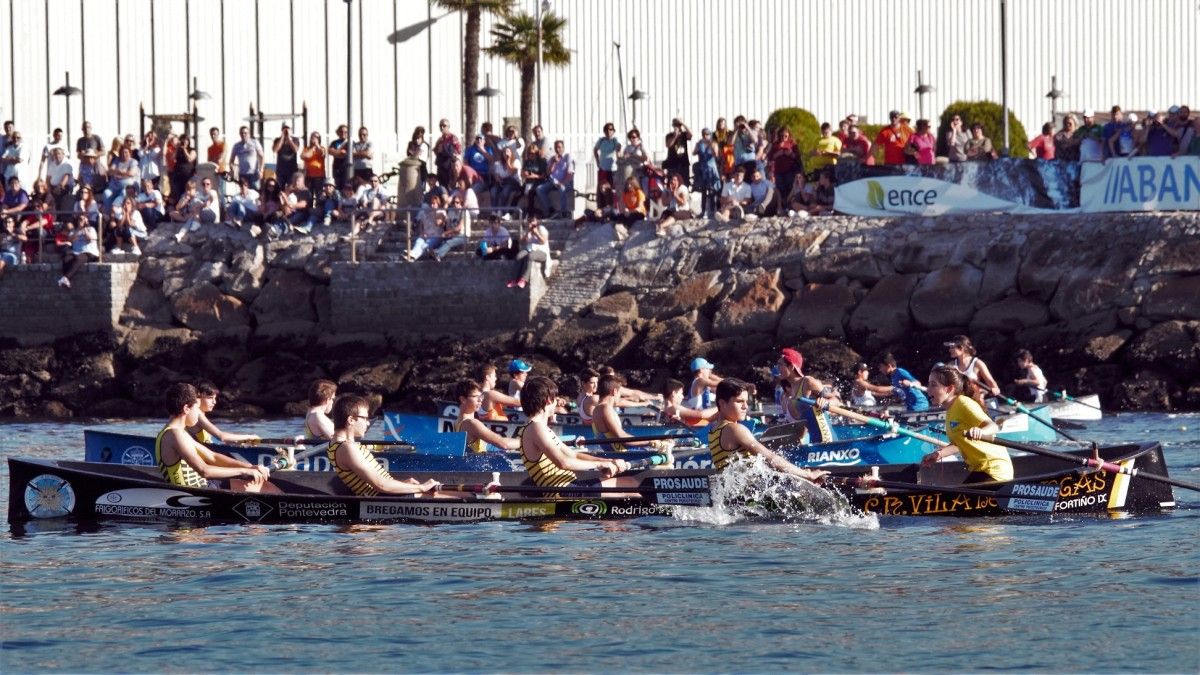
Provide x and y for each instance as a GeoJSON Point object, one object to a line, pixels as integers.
{"type": "Point", "coordinates": [1094, 462]}
{"type": "Point", "coordinates": [281, 463]}
{"type": "Point", "coordinates": [1063, 395]}
{"type": "Point", "coordinates": [629, 439]}
{"type": "Point", "coordinates": [653, 460]}
{"type": "Point", "coordinates": [891, 427]}
{"type": "Point", "coordinates": [1021, 408]}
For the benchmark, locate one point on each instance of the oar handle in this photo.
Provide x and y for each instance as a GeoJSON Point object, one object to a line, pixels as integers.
{"type": "Point", "coordinates": [1092, 462]}
{"type": "Point", "coordinates": [300, 440]}
{"type": "Point", "coordinates": [1063, 395]}
{"type": "Point", "coordinates": [893, 427]}
{"type": "Point", "coordinates": [281, 463]}
{"type": "Point", "coordinates": [1020, 407]}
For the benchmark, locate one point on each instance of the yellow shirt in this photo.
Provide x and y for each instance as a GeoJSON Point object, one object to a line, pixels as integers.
{"type": "Point", "coordinates": [830, 144]}
{"type": "Point", "coordinates": [964, 414]}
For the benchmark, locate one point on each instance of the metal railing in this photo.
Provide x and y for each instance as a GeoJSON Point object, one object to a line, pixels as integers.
{"type": "Point", "coordinates": [60, 216]}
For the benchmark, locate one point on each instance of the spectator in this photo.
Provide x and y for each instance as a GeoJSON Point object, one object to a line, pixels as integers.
{"type": "Point", "coordinates": [56, 141]}
{"type": "Point", "coordinates": [843, 132]}
{"type": "Point", "coordinates": [286, 147]}
{"type": "Point", "coordinates": [314, 163]}
{"type": "Point", "coordinates": [511, 140]}
{"type": "Point", "coordinates": [91, 173]}
{"type": "Point", "coordinates": [735, 197]}
{"type": "Point", "coordinates": [634, 153]}
{"type": "Point", "coordinates": [84, 249]}
{"type": "Point", "coordinates": [363, 153]}
{"type": "Point", "coordinates": [432, 187]}
{"type": "Point", "coordinates": [1043, 144]}
{"type": "Point", "coordinates": [216, 151]}
{"type": "Point", "coordinates": [1189, 140]}
{"type": "Point", "coordinates": [186, 210]}
{"type": "Point", "coordinates": [822, 199]}
{"type": "Point", "coordinates": [858, 146]}
{"type": "Point", "coordinates": [459, 169]}
{"type": "Point", "coordinates": [535, 247]}
{"type": "Point", "coordinates": [1066, 144]}
{"type": "Point", "coordinates": [1115, 123]}
{"type": "Point", "coordinates": [16, 199]}
{"type": "Point", "coordinates": [922, 145]}
{"type": "Point", "coordinates": [466, 193]}
{"type": "Point", "coordinates": [88, 142]}
{"type": "Point", "coordinates": [243, 206]}
{"type": "Point", "coordinates": [347, 203]}
{"type": "Point", "coordinates": [325, 204]}
{"type": "Point", "coordinates": [492, 139]}
{"type": "Point", "coordinates": [184, 168]}
{"type": "Point", "coordinates": [827, 150]}
{"type": "Point", "coordinates": [678, 205]}
{"type": "Point", "coordinates": [114, 152]}
{"type": "Point", "coordinates": [601, 214]}
{"type": "Point", "coordinates": [557, 194]}
{"type": "Point", "coordinates": [130, 194]}
{"type": "Point", "coordinates": [339, 150]}
{"type": "Point", "coordinates": [539, 139]}
{"type": "Point", "coordinates": [150, 158]}
{"type": "Point", "coordinates": [894, 138]}
{"type": "Point", "coordinates": [14, 156]}
{"type": "Point", "coordinates": [708, 176]}
{"type": "Point", "coordinates": [762, 196]}
{"type": "Point", "coordinates": [745, 144]}
{"type": "Point", "coordinates": [723, 136]}
{"type": "Point", "coordinates": [128, 227]}
{"type": "Point", "coordinates": [800, 198]}
{"type": "Point", "coordinates": [9, 129]}
{"type": "Point", "coordinates": [433, 221]}
{"type": "Point", "coordinates": [150, 204]}
{"type": "Point", "coordinates": [956, 140]}
{"type": "Point", "coordinates": [87, 205]}
{"type": "Point", "coordinates": [506, 178]}
{"type": "Point", "coordinates": [534, 173]}
{"type": "Point", "coordinates": [458, 228]}
{"type": "Point", "coordinates": [58, 176]}
{"type": "Point", "coordinates": [271, 208]}
{"type": "Point", "coordinates": [372, 200]}
{"type": "Point", "coordinates": [12, 241]}
{"type": "Point", "coordinates": [210, 202]}
{"type": "Point", "coordinates": [979, 147]}
{"type": "Point", "coordinates": [783, 158]}
{"type": "Point", "coordinates": [1091, 139]}
{"type": "Point", "coordinates": [605, 151]}
{"type": "Point", "coordinates": [246, 158]}
{"type": "Point", "coordinates": [295, 205]}
{"type": "Point", "coordinates": [446, 149]}
{"type": "Point", "coordinates": [1159, 139]}
{"type": "Point", "coordinates": [1121, 142]}
{"type": "Point", "coordinates": [761, 143]}
{"type": "Point", "coordinates": [632, 207]}
{"type": "Point", "coordinates": [677, 150]}
{"type": "Point", "coordinates": [496, 242]}
{"type": "Point", "coordinates": [479, 158]}
{"type": "Point", "coordinates": [121, 173]}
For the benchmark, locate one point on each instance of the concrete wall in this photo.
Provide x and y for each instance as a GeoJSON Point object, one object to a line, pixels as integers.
{"type": "Point", "coordinates": [453, 296]}
{"type": "Point", "coordinates": [32, 303]}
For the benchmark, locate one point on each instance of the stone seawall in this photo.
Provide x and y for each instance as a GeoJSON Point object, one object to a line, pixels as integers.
{"type": "Point", "coordinates": [1108, 304]}
{"type": "Point", "coordinates": [33, 304]}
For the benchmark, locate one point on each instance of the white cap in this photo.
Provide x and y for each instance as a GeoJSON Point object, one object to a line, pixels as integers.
{"type": "Point", "coordinates": [1088, 112]}
{"type": "Point", "coordinates": [1151, 113]}
{"type": "Point", "coordinates": [1133, 118]}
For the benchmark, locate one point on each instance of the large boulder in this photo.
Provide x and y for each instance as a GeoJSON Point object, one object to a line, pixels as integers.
{"type": "Point", "coordinates": [818, 310]}
{"type": "Point", "coordinates": [945, 298]}
{"type": "Point", "coordinates": [829, 359]}
{"type": "Point", "coordinates": [1143, 391]}
{"type": "Point", "coordinates": [671, 342]}
{"type": "Point", "coordinates": [855, 263]}
{"type": "Point", "coordinates": [1174, 257]}
{"type": "Point", "coordinates": [883, 315]}
{"type": "Point", "coordinates": [1170, 347]}
{"type": "Point", "coordinates": [1010, 315]}
{"type": "Point", "coordinates": [923, 253]}
{"type": "Point", "coordinates": [148, 342]}
{"type": "Point", "coordinates": [384, 377]}
{"type": "Point", "coordinates": [754, 309]}
{"type": "Point", "coordinates": [575, 347]}
{"type": "Point", "coordinates": [621, 307]}
{"type": "Point", "coordinates": [287, 296]}
{"type": "Point", "coordinates": [204, 307]}
{"type": "Point", "coordinates": [146, 305]}
{"type": "Point", "coordinates": [999, 272]}
{"type": "Point", "coordinates": [1177, 298]}
{"type": "Point", "coordinates": [272, 381]}
{"type": "Point", "coordinates": [691, 293]}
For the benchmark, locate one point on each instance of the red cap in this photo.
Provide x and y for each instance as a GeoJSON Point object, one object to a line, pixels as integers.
{"type": "Point", "coordinates": [793, 357]}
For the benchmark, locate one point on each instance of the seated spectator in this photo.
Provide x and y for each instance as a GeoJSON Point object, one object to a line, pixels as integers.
{"type": "Point", "coordinates": [90, 173]}
{"type": "Point", "coordinates": [84, 249]}
{"type": "Point", "coordinates": [210, 201]}
{"type": "Point", "coordinates": [59, 176]}
{"type": "Point", "coordinates": [16, 199]}
{"type": "Point", "coordinates": [678, 205]}
{"type": "Point", "coordinates": [13, 156]}
{"type": "Point", "coordinates": [535, 247]}
{"type": "Point", "coordinates": [762, 196]}
{"type": "Point", "coordinates": [893, 138]}
{"type": "Point", "coordinates": [466, 194]}
{"type": "Point", "coordinates": [557, 195]}
{"type": "Point", "coordinates": [510, 141]}
{"type": "Point", "coordinates": [858, 146]}
{"type": "Point", "coordinates": [1042, 145]}
{"type": "Point", "coordinates": [534, 173]}
{"type": "Point", "coordinates": [347, 203]}
{"type": "Point", "coordinates": [325, 204]}
{"type": "Point", "coordinates": [270, 208]}
{"type": "Point", "coordinates": [605, 211]}
{"type": "Point", "coordinates": [800, 197]}
{"type": "Point", "coordinates": [1090, 137]}
{"type": "Point", "coordinates": [372, 200]}
{"type": "Point", "coordinates": [922, 145]}
{"type": "Point", "coordinates": [459, 169]}
{"type": "Point", "coordinates": [458, 228]}
{"type": "Point", "coordinates": [979, 147]}
{"type": "Point", "coordinates": [12, 241]}
{"type": "Point", "coordinates": [1066, 143]}
{"type": "Point", "coordinates": [150, 204]}
{"type": "Point", "coordinates": [37, 223]}
{"type": "Point", "coordinates": [87, 205]}
{"type": "Point", "coordinates": [631, 208]}
{"type": "Point", "coordinates": [295, 204]}
{"type": "Point", "coordinates": [956, 140]}
{"type": "Point", "coordinates": [121, 173]}
{"type": "Point", "coordinates": [827, 150]}
{"type": "Point", "coordinates": [56, 141]}
{"type": "Point", "coordinates": [822, 199]}
{"type": "Point", "coordinates": [432, 187]}
{"type": "Point", "coordinates": [243, 206]}
{"type": "Point", "coordinates": [188, 208]}
{"type": "Point", "coordinates": [433, 222]}
{"type": "Point", "coordinates": [128, 228]}
{"type": "Point", "coordinates": [506, 179]}
{"type": "Point", "coordinates": [735, 197]}
{"type": "Point", "coordinates": [496, 242]}
{"type": "Point", "coordinates": [479, 158]}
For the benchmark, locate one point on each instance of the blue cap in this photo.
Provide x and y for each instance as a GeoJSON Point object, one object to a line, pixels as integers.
{"type": "Point", "coordinates": [519, 366]}
{"type": "Point", "coordinates": [700, 362]}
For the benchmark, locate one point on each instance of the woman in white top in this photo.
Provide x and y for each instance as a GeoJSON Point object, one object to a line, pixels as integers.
{"type": "Point", "coordinates": [535, 247]}
{"type": "Point", "coordinates": [964, 360]}
{"type": "Point", "coordinates": [506, 178]}
{"type": "Point", "coordinates": [678, 205]}
{"type": "Point", "coordinates": [84, 249]}
{"type": "Point", "coordinates": [860, 394]}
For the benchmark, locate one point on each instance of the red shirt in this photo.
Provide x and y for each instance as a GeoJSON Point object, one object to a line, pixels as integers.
{"type": "Point", "coordinates": [1043, 146]}
{"type": "Point", "coordinates": [893, 142]}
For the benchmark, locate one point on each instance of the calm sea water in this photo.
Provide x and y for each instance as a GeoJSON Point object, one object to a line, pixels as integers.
{"type": "Point", "coordinates": [656, 594]}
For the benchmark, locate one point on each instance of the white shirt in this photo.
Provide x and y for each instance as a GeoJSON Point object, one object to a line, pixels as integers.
{"type": "Point", "coordinates": [214, 203]}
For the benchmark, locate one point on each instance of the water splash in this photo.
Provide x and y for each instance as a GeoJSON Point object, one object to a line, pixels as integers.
{"type": "Point", "coordinates": [751, 490]}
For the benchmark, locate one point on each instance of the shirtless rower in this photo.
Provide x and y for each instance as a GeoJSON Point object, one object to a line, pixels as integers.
{"type": "Point", "coordinates": [675, 412]}
{"type": "Point", "coordinates": [797, 385]}
{"type": "Point", "coordinates": [186, 462]}
{"type": "Point", "coordinates": [204, 431]}
{"type": "Point", "coordinates": [728, 440]}
{"type": "Point", "coordinates": [589, 380]}
{"type": "Point", "coordinates": [704, 381]}
{"type": "Point", "coordinates": [494, 400]}
{"type": "Point", "coordinates": [551, 463]}
{"type": "Point", "coordinates": [479, 437]}
{"type": "Point", "coordinates": [631, 397]}
{"type": "Point", "coordinates": [606, 423]}
{"type": "Point", "coordinates": [317, 423]}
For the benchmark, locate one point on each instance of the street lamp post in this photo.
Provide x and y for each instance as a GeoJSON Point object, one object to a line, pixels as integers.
{"type": "Point", "coordinates": [195, 96]}
{"type": "Point", "coordinates": [67, 91]}
{"type": "Point", "coordinates": [637, 95]}
{"type": "Point", "coordinates": [1054, 94]}
{"type": "Point", "coordinates": [488, 92]}
{"type": "Point", "coordinates": [349, 91]}
{"type": "Point", "coordinates": [920, 91]}
{"type": "Point", "coordinates": [542, 8]}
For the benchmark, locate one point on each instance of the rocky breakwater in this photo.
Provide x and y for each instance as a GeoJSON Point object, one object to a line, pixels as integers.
{"type": "Point", "coordinates": [1108, 304]}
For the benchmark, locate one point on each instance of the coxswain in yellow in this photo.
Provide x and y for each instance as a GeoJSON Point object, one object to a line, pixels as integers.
{"type": "Point", "coordinates": [357, 467]}
{"type": "Point", "coordinates": [728, 440]}
{"type": "Point", "coordinates": [966, 422]}
{"type": "Point", "coordinates": [479, 436]}
{"type": "Point", "coordinates": [606, 423]}
{"type": "Point", "coordinates": [204, 431]}
{"type": "Point", "coordinates": [549, 462]}
{"type": "Point", "coordinates": [317, 423]}
{"type": "Point", "coordinates": [185, 462]}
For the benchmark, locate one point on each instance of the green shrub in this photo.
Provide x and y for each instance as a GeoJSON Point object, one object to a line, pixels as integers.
{"type": "Point", "coordinates": [804, 127]}
{"type": "Point", "coordinates": [870, 131]}
{"type": "Point", "coordinates": [990, 115]}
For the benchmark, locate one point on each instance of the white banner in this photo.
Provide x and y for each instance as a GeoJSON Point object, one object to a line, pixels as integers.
{"type": "Point", "coordinates": [1140, 184]}
{"type": "Point", "coordinates": [914, 195]}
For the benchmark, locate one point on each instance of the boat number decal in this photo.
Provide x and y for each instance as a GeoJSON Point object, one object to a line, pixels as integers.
{"type": "Point", "coordinates": [48, 496]}
{"type": "Point", "coordinates": [589, 508]}
{"type": "Point", "coordinates": [136, 454]}
{"type": "Point", "coordinates": [153, 502]}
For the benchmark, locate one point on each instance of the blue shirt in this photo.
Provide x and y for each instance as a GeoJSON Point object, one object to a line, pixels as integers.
{"type": "Point", "coordinates": [914, 399]}
{"type": "Point", "coordinates": [478, 159]}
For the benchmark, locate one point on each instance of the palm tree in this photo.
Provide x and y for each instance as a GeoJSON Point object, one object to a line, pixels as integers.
{"type": "Point", "coordinates": [516, 40]}
{"type": "Point", "coordinates": [474, 10]}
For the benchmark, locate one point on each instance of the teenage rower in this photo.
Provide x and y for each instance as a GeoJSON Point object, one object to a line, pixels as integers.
{"type": "Point", "coordinates": [966, 422]}
{"type": "Point", "coordinates": [606, 423]}
{"type": "Point", "coordinates": [494, 400]}
{"type": "Point", "coordinates": [186, 462]}
{"type": "Point", "coordinates": [354, 463]}
{"type": "Point", "coordinates": [479, 437]}
{"type": "Point", "coordinates": [704, 381]}
{"type": "Point", "coordinates": [862, 392]}
{"type": "Point", "coordinates": [728, 440]}
{"type": "Point", "coordinates": [675, 412]}
{"type": "Point", "coordinates": [589, 380]}
{"type": "Point", "coordinates": [903, 384]}
{"type": "Point", "coordinates": [204, 431]}
{"type": "Point", "coordinates": [964, 360]}
{"type": "Point", "coordinates": [549, 462]}
{"type": "Point", "coordinates": [518, 372]}
{"type": "Point", "coordinates": [797, 385]}
{"type": "Point", "coordinates": [1031, 386]}
{"type": "Point", "coordinates": [631, 397]}
{"type": "Point", "coordinates": [317, 423]}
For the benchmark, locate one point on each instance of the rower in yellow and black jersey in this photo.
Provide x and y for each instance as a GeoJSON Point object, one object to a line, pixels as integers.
{"type": "Point", "coordinates": [355, 465]}
{"type": "Point", "coordinates": [204, 431]}
{"type": "Point", "coordinates": [797, 386]}
{"type": "Point", "coordinates": [728, 440]}
{"type": "Point", "coordinates": [606, 423]}
{"type": "Point", "coordinates": [480, 438]}
{"type": "Point", "coordinates": [185, 462]}
{"type": "Point", "coordinates": [551, 463]}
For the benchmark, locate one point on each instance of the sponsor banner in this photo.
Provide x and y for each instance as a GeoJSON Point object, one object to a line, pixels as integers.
{"type": "Point", "coordinates": [430, 512]}
{"type": "Point", "coordinates": [1052, 185]}
{"type": "Point", "coordinates": [1141, 184]}
{"type": "Point", "coordinates": [915, 195]}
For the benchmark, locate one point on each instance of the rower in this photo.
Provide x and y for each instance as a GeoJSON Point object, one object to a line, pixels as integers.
{"type": "Point", "coordinates": [518, 372]}
{"type": "Point", "coordinates": [966, 422]}
{"type": "Point", "coordinates": [799, 386]}
{"type": "Point", "coordinates": [494, 400]}
{"type": "Point", "coordinates": [480, 438]}
{"type": "Point", "coordinates": [700, 393]}
{"type": "Point", "coordinates": [549, 462]}
{"type": "Point", "coordinates": [675, 412]}
{"type": "Point", "coordinates": [204, 431]}
{"type": "Point", "coordinates": [606, 423]}
{"type": "Point", "coordinates": [357, 467]}
{"type": "Point", "coordinates": [589, 380]}
{"type": "Point", "coordinates": [631, 397]}
{"type": "Point", "coordinates": [317, 424]}
{"type": "Point", "coordinates": [1031, 386]}
{"type": "Point", "coordinates": [186, 462]}
{"type": "Point", "coordinates": [728, 440]}
{"type": "Point", "coordinates": [964, 360]}
{"type": "Point", "coordinates": [862, 392]}
{"type": "Point", "coordinates": [903, 384]}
